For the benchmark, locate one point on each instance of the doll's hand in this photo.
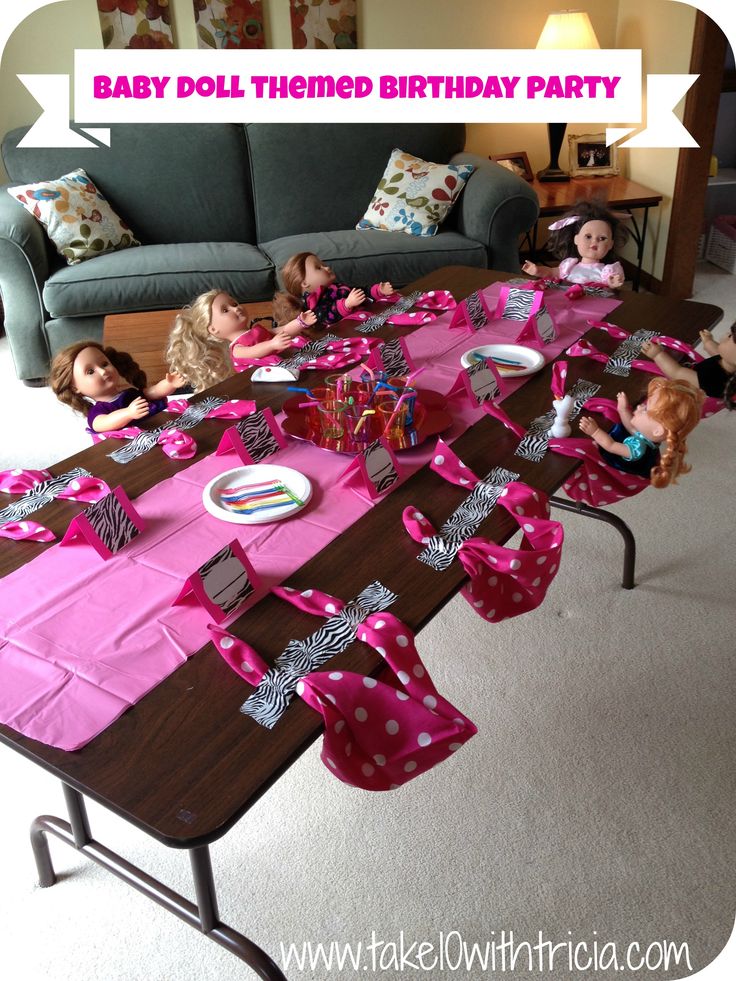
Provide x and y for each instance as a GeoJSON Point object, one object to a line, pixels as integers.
{"type": "Point", "coordinates": [281, 341]}
{"type": "Point", "coordinates": [175, 379]}
{"type": "Point", "coordinates": [355, 298]}
{"type": "Point", "coordinates": [706, 337]}
{"type": "Point", "coordinates": [530, 268]}
{"type": "Point", "coordinates": [616, 281]}
{"type": "Point", "coordinates": [589, 426]}
{"type": "Point", "coordinates": [138, 408]}
{"type": "Point", "coordinates": [308, 317]}
{"type": "Point", "coordinates": [622, 402]}
{"type": "Point", "coordinates": [386, 289]}
{"type": "Point", "coordinates": [650, 349]}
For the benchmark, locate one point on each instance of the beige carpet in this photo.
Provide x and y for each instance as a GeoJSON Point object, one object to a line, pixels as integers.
{"type": "Point", "coordinates": [596, 803]}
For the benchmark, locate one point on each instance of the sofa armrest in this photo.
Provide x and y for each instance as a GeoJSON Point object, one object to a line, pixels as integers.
{"type": "Point", "coordinates": [495, 208]}
{"type": "Point", "coordinates": [24, 268]}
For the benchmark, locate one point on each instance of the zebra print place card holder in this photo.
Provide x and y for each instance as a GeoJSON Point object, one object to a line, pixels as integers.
{"type": "Point", "coordinates": [253, 438]}
{"type": "Point", "coordinates": [108, 525]}
{"type": "Point", "coordinates": [376, 469]}
{"type": "Point", "coordinates": [222, 584]}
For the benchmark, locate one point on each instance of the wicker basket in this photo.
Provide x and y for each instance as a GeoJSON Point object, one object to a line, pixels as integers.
{"type": "Point", "coordinates": [721, 249]}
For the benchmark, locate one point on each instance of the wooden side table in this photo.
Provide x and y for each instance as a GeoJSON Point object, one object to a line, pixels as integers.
{"type": "Point", "coordinates": [617, 193]}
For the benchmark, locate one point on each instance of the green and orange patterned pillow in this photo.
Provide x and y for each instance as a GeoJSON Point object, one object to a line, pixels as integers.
{"type": "Point", "coordinates": [414, 196]}
{"type": "Point", "coordinates": [77, 217]}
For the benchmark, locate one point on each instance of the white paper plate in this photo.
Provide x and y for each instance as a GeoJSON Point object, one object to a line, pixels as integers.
{"type": "Point", "coordinates": [297, 483]}
{"type": "Point", "coordinates": [531, 359]}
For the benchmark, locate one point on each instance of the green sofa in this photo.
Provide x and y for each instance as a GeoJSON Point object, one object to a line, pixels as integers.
{"type": "Point", "coordinates": [226, 205]}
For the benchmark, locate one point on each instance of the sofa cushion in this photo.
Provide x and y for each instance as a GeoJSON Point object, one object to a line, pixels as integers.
{"type": "Point", "coordinates": [365, 257]}
{"type": "Point", "coordinates": [157, 277]}
{"type": "Point", "coordinates": [76, 216]}
{"type": "Point", "coordinates": [175, 183]}
{"type": "Point", "coordinates": [312, 177]}
{"type": "Point", "coordinates": [414, 196]}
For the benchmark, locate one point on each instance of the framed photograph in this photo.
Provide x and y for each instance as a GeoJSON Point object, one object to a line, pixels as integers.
{"type": "Point", "coordinates": [590, 157]}
{"type": "Point", "coordinates": [517, 163]}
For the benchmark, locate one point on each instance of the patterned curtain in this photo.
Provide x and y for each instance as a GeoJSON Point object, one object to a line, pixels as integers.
{"type": "Point", "coordinates": [323, 23]}
{"type": "Point", "coordinates": [135, 23]}
{"type": "Point", "coordinates": [229, 23]}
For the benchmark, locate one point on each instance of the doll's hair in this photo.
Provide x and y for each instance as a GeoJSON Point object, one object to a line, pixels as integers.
{"type": "Point", "coordinates": [729, 394]}
{"type": "Point", "coordinates": [61, 375]}
{"type": "Point", "coordinates": [287, 303]}
{"type": "Point", "coordinates": [561, 242]}
{"type": "Point", "coordinates": [677, 409]}
{"type": "Point", "coordinates": [192, 351]}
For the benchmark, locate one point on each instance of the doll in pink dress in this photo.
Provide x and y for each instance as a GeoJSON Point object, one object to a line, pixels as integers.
{"type": "Point", "coordinates": [210, 339]}
{"type": "Point", "coordinates": [582, 239]}
{"type": "Point", "coordinates": [107, 386]}
{"type": "Point", "coordinates": [310, 287]}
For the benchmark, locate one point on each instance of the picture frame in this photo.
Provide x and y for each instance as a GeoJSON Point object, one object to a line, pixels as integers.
{"type": "Point", "coordinates": [517, 163]}
{"type": "Point", "coordinates": [590, 157]}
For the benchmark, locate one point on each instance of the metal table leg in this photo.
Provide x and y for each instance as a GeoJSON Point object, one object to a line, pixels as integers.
{"type": "Point", "coordinates": [202, 916]}
{"type": "Point", "coordinates": [588, 511]}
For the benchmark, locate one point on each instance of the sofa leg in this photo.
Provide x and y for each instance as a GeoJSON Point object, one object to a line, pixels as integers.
{"type": "Point", "coordinates": [35, 382]}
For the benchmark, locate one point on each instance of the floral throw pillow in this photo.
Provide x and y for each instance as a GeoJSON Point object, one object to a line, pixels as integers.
{"type": "Point", "coordinates": [414, 196]}
{"type": "Point", "coordinates": [77, 218]}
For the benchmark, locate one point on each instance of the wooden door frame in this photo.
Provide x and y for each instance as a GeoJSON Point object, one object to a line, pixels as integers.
{"type": "Point", "coordinates": [691, 181]}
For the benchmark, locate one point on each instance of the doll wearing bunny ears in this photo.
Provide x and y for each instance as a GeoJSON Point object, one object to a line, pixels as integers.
{"type": "Point", "coordinates": [582, 239]}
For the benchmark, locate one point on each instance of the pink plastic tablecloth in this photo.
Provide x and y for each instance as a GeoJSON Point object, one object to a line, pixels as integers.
{"type": "Point", "coordinates": [81, 639]}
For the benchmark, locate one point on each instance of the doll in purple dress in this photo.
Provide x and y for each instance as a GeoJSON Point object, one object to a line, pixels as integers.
{"type": "Point", "coordinates": [107, 386]}
{"type": "Point", "coordinates": [310, 285]}
{"type": "Point", "coordinates": [583, 239]}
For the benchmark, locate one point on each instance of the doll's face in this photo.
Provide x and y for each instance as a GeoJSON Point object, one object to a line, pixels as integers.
{"type": "Point", "coordinates": [316, 274]}
{"type": "Point", "coordinates": [643, 420]}
{"type": "Point", "coordinates": [227, 320]}
{"type": "Point", "coordinates": [594, 241]}
{"type": "Point", "coordinates": [94, 376]}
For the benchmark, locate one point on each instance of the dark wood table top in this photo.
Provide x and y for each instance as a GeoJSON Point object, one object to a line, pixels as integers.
{"type": "Point", "coordinates": [618, 192]}
{"type": "Point", "coordinates": [184, 764]}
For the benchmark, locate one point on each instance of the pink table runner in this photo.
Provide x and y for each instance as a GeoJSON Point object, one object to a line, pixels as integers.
{"type": "Point", "coordinates": [81, 639]}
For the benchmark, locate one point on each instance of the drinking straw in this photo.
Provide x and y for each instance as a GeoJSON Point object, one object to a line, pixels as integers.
{"type": "Point", "coordinates": [305, 405]}
{"type": "Point", "coordinates": [366, 368]}
{"type": "Point", "coordinates": [401, 399]}
{"type": "Point", "coordinates": [414, 374]}
{"type": "Point", "coordinates": [366, 413]}
{"type": "Point", "coordinates": [293, 388]}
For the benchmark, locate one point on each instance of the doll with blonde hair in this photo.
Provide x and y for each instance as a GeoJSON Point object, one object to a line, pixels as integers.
{"type": "Point", "coordinates": [310, 286]}
{"type": "Point", "coordinates": [210, 339]}
{"type": "Point", "coordinates": [582, 239]}
{"type": "Point", "coordinates": [107, 386]}
{"type": "Point", "coordinates": [650, 440]}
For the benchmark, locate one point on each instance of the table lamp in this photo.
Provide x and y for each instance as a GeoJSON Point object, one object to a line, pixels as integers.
{"type": "Point", "coordinates": [564, 29]}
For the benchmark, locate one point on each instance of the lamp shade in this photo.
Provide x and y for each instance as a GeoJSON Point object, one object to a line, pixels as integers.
{"type": "Point", "coordinates": [568, 29]}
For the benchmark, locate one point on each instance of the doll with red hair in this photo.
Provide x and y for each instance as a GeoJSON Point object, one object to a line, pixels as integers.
{"type": "Point", "coordinates": [651, 438]}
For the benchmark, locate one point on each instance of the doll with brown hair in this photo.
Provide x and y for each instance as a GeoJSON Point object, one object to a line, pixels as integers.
{"type": "Point", "coordinates": [582, 239]}
{"type": "Point", "coordinates": [310, 286]}
{"type": "Point", "coordinates": [650, 440]}
{"type": "Point", "coordinates": [210, 339]}
{"type": "Point", "coordinates": [712, 374]}
{"type": "Point", "coordinates": [107, 386]}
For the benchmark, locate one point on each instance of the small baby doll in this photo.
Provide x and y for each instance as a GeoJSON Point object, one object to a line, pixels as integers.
{"type": "Point", "coordinates": [582, 239]}
{"type": "Point", "coordinates": [668, 414]}
{"type": "Point", "coordinates": [210, 337]}
{"type": "Point", "coordinates": [309, 285]}
{"type": "Point", "coordinates": [107, 386]}
{"type": "Point", "coordinates": [711, 374]}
